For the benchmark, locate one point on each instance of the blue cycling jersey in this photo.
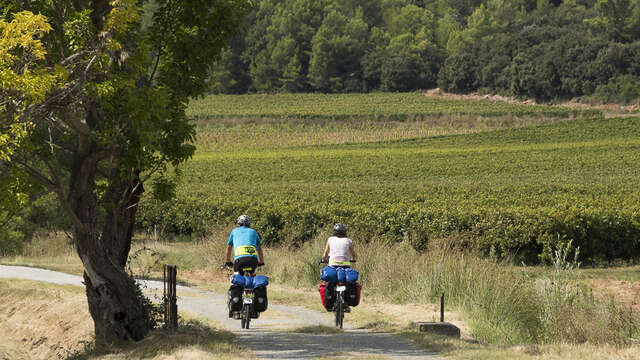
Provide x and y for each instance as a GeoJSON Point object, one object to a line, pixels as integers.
{"type": "Point", "coordinates": [245, 242]}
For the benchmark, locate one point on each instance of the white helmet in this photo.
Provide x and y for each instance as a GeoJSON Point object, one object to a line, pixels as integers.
{"type": "Point", "coordinates": [244, 220]}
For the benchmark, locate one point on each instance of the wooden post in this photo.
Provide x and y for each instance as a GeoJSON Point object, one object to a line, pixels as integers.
{"type": "Point", "coordinates": [442, 308]}
{"type": "Point", "coordinates": [170, 296]}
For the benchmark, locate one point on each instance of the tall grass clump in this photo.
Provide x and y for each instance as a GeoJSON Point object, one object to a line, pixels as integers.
{"type": "Point", "coordinates": [569, 310]}
{"type": "Point", "coordinates": [501, 303]}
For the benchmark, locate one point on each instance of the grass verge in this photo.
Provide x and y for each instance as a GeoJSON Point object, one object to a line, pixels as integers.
{"type": "Point", "coordinates": [470, 350]}
{"type": "Point", "coordinates": [45, 321]}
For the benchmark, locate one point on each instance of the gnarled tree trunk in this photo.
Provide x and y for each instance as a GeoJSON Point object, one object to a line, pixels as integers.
{"type": "Point", "coordinates": [103, 230]}
{"type": "Point", "coordinates": [114, 300]}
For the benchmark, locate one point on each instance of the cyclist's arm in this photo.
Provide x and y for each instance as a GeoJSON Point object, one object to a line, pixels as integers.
{"type": "Point", "coordinates": [260, 255]}
{"type": "Point", "coordinates": [229, 252]}
{"type": "Point", "coordinates": [354, 257]}
{"type": "Point", "coordinates": [325, 255]}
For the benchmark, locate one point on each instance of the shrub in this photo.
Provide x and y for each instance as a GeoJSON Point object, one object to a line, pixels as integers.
{"type": "Point", "coordinates": [622, 89]}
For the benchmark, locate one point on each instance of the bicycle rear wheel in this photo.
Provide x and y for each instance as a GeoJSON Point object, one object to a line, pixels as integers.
{"type": "Point", "coordinates": [246, 314]}
{"type": "Point", "coordinates": [339, 312]}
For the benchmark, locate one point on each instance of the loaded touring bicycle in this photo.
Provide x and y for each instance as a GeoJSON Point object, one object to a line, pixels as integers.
{"type": "Point", "coordinates": [339, 290]}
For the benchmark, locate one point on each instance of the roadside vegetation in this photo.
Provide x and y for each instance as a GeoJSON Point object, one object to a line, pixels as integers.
{"type": "Point", "coordinates": [505, 311]}
{"type": "Point", "coordinates": [58, 326]}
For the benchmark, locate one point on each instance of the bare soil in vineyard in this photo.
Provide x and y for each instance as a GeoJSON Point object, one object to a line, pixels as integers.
{"type": "Point", "coordinates": [609, 110]}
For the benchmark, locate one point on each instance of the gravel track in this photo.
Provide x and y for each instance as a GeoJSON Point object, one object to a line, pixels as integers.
{"type": "Point", "coordinates": [270, 336]}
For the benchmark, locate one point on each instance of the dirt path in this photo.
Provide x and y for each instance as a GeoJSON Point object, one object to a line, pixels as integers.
{"type": "Point", "coordinates": [270, 336]}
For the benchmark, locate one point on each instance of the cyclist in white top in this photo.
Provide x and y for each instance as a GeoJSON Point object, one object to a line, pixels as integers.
{"type": "Point", "coordinates": [339, 250]}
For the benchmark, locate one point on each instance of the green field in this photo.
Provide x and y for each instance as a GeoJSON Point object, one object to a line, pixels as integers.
{"type": "Point", "coordinates": [240, 122]}
{"type": "Point", "coordinates": [516, 190]}
{"type": "Point", "coordinates": [403, 106]}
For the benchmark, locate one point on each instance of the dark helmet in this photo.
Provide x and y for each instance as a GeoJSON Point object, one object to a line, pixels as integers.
{"type": "Point", "coordinates": [339, 229]}
{"type": "Point", "coordinates": [244, 220]}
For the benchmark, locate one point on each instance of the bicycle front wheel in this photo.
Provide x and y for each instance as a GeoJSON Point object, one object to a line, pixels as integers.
{"type": "Point", "coordinates": [246, 314]}
{"type": "Point", "coordinates": [339, 312]}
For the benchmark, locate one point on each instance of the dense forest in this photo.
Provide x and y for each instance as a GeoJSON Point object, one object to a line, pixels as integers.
{"type": "Point", "coordinates": [541, 49]}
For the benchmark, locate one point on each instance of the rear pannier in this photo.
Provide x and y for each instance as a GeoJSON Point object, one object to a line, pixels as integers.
{"type": "Point", "coordinates": [260, 296]}
{"type": "Point", "coordinates": [352, 294]}
{"type": "Point", "coordinates": [235, 298]}
{"type": "Point", "coordinates": [327, 292]}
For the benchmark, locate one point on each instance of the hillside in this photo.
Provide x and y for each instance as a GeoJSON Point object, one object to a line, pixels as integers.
{"type": "Point", "coordinates": [545, 50]}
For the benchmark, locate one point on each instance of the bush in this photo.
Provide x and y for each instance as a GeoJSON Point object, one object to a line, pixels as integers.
{"type": "Point", "coordinates": [459, 73]}
{"type": "Point", "coordinates": [622, 89]}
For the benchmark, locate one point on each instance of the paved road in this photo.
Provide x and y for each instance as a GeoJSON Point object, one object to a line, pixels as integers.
{"type": "Point", "coordinates": [269, 336]}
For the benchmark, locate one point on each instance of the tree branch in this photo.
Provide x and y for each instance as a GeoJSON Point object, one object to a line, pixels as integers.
{"type": "Point", "coordinates": [37, 175]}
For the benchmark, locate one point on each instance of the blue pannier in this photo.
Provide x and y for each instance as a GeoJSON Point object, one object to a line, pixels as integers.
{"type": "Point", "coordinates": [351, 275]}
{"type": "Point", "coordinates": [260, 281]}
{"type": "Point", "coordinates": [237, 279]}
{"type": "Point", "coordinates": [248, 282]}
{"type": "Point", "coordinates": [341, 275]}
{"type": "Point", "coordinates": [329, 274]}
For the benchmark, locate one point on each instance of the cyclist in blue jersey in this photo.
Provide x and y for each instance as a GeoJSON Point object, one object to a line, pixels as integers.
{"type": "Point", "coordinates": [245, 245]}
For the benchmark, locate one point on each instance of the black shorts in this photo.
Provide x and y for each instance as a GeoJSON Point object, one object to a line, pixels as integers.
{"type": "Point", "coordinates": [245, 264]}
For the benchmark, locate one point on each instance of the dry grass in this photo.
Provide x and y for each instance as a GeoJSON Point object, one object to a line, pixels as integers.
{"type": "Point", "coordinates": [244, 133]}
{"type": "Point", "coordinates": [193, 340]}
{"type": "Point", "coordinates": [499, 304]}
{"type": "Point", "coordinates": [43, 321]}
{"type": "Point", "coordinates": [53, 251]}
{"type": "Point", "coordinates": [469, 350]}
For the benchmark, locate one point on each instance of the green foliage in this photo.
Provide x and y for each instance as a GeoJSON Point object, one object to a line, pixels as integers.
{"type": "Point", "coordinates": [618, 19]}
{"type": "Point", "coordinates": [23, 80]}
{"type": "Point", "coordinates": [93, 105]}
{"type": "Point", "coordinates": [52, 66]}
{"type": "Point", "coordinates": [624, 89]}
{"type": "Point", "coordinates": [545, 50]}
{"type": "Point", "coordinates": [337, 48]}
{"type": "Point", "coordinates": [519, 191]}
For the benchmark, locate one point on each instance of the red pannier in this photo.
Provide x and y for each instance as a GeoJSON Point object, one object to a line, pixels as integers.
{"type": "Point", "coordinates": [327, 292]}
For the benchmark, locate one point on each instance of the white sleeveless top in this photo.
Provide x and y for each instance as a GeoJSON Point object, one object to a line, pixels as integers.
{"type": "Point", "coordinates": [339, 249]}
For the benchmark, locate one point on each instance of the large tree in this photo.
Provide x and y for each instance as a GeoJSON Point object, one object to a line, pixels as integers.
{"type": "Point", "coordinates": [93, 99]}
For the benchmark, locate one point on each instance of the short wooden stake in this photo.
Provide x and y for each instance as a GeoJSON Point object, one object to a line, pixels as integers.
{"type": "Point", "coordinates": [442, 308]}
{"type": "Point", "coordinates": [170, 296]}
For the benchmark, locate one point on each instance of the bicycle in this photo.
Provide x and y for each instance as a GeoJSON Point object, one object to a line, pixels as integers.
{"type": "Point", "coordinates": [249, 283]}
{"type": "Point", "coordinates": [339, 307]}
